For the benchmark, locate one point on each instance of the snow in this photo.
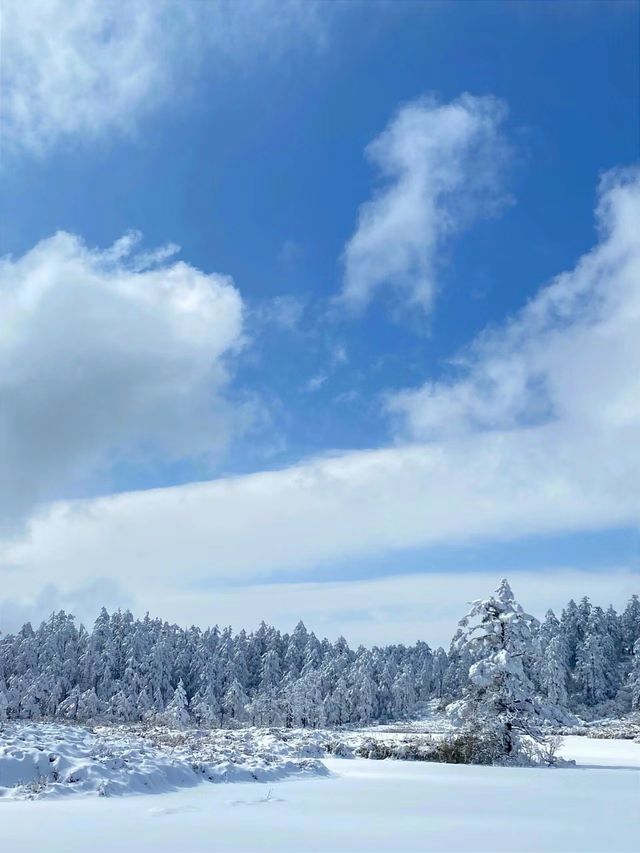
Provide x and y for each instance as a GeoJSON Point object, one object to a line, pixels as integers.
{"type": "Point", "coordinates": [591, 752]}
{"type": "Point", "coordinates": [365, 806]}
{"type": "Point", "coordinates": [337, 805]}
{"type": "Point", "coordinates": [48, 760]}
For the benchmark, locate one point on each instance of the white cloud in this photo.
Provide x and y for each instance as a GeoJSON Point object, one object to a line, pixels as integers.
{"type": "Point", "coordinates": [497, 475]}
{"type": "Point", "coordinates": [497, 486]}
{"type": "Point", "coordinates": [441, 167]}
{"type": "Point", "coordinates": [104, 353]}
{"type": "Point", "coordinates": [79, 68]}
{"type": "Point", "coordinates": [570, 358]}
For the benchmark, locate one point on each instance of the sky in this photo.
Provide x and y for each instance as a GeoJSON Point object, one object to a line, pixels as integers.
{"type": "Point", "coordinates": [318, 310]}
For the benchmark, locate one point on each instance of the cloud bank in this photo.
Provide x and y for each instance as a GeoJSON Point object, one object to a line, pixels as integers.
{"type": "Point", "coordinates": [441, 167]}
{"type": "Point", "coordinates": [398, 609]}
{"type": "Point", "coordinates": [104, 354]}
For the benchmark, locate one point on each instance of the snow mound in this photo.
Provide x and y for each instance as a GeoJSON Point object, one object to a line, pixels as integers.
{"type": "Point", "coordinates": [49, 760]}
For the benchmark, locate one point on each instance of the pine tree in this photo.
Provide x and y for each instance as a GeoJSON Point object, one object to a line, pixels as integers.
{"type": "Point", "coordinates": [498, 634]}
{"type": "Point", "coordinates": [336, 704]}
{"type": "Point", "coordinates": [89, 706]}
{"type": "Point", "coordinates": [554, 673]}
{"type": "Point", "coordinates": [596, 672]}
{"type": "Point", "coordinates": [572, 631]}
{"type": "Point", "coordinates": [634, 677]}
{"type": "Point", "coordinates": [630, 624]}
{"type": "Point", "coordinates": [206, 707]}
{"type": "Point", "coordinates": [177, 713]}
{"type": "Point", "coordinates": [4, 701]}
{"type": "Point", "coordinates": [234, 702]}
{"type": "Point", "coordinates": [590, 670]}
{"type": "Point", "coordinates": [121, 708]}
{"type": "Point", "coordinates": [270, 670]}
{"type": "Point", "coordinates": [404, 692]}
{"type": "Point", "coordinates": [440, 666]}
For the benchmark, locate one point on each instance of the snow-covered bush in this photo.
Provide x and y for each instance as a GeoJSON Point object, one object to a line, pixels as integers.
{"type": "Point", "coordinates": [472, 746]}
{"type": "Point", "coordinates": [404, 750]}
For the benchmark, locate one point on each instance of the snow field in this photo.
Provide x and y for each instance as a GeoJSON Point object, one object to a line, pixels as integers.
{"type": "Point", "coordinates": [365, 806]}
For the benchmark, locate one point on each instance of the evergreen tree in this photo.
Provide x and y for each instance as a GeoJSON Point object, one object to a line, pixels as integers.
{"type": "Point", "coordinates": [630, 625]}
{"type": "Point", "coordinates": [4, 701]}
{"type": "Point", "coordinates": [596, 672]}
{"type": "Point", "coordinates": [234, 702]}
{"type": "Point", "coordinates": [634, 677]}
{"type": "Point", "coordinates": [440, 667]}
{"type": "Point", "coordinates": [336, 704]}
{"type": "Point", "coordinates": [498, 634]}
{"type": "Point", "coordinates": [572, 631]}
{"type": "Point", "coordinates": [554, 673]}
{"type": "Point", "coordinates": [177, 713]}
{"type": "Point", "coordinates": [404, 692]}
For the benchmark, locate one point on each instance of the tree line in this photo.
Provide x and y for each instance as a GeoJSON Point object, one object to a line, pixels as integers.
{"type": "Point", "coordinates": [502, 660]}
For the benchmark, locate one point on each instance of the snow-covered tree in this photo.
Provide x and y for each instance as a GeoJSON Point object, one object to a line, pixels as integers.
{"type": "Point", "coordinates": [634, 677]}
{"type": "Point", "coordinates": [89, 706]}
{"type": "Point", "coordinates": [177, 711]}
{"type": "Point", "coordinates": [234, 702]}
{"type": "Point", "coordinates": [336, 704]}
{"type": "Point", "coordinates": [553, 671]}
{"type": "Point", "coordinates": [122, 709]}
{"type": "Point", "coordinates": [498, 635]}
{"type": "Point", "coordinates": [206, 707]}
{"type": "Point", "coordinates": [4, 701]}
{"type": "Point", "coordinates": [630, 624]}
{"type": "Point", "coordinates": [404, 692]}
{"type": "Point", "coordinates": [270, 670]}
{"type": "Point", "coordinates": [573, 631]}
{"type": "Point", "coordinates": [440, 667]}
{"type": "Point", "coordinates": [596, 671]}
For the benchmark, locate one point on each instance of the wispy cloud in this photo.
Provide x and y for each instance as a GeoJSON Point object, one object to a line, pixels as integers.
{"type": "Point", "coordinates": [440, 166]}
{"type": "Point", "coordinates": [315, 383]}
{"type": "Point", "coordinates": [571, 357]}
{"type": "Point", "coordinates": [75, 69]}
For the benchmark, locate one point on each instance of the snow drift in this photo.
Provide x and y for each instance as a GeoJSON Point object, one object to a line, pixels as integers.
{"type": "Point", "coordinates": [49, 760]}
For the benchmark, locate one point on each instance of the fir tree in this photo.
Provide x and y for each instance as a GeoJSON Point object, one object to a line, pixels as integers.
{"type": "Point", "coordinates": [177, 713]}
{"type": "Point", "coordinates": [498, 634]}
{"type": "Point", "coordinates": [634, 677]}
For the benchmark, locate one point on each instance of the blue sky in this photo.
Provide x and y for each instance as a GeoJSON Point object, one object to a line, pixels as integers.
{"type": "Point", "coordinates": [246, 148]}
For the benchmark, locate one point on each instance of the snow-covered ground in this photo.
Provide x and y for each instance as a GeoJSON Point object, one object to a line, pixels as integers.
{"type": "Point", "coordinates": [359, 805]}
{"type": "Point", "coordinates": [47, 760]}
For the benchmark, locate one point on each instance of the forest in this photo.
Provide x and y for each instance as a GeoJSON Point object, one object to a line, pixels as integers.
{"type": "Point", "coordinates": [584, 662]}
